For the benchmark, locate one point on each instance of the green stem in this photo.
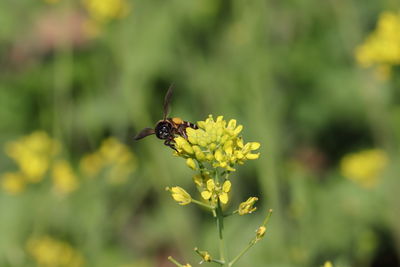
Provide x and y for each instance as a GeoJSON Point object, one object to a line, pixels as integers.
{"type": "Point", "coordinates": [220, 262]}
{"type": "Point", "coordinates": [220, 226]}
{"type": "Point", "coordinates": [266, 220]}
{"type": "Point", "coordinates": [203, 204]}
{"type": "Point", "coordinates": [252, 242]}
{"type": "Point", "coordinates": [174, 261]}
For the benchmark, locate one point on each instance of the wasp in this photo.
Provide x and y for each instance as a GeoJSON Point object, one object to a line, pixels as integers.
{"type": "Point", "coordinates": [167, 128]}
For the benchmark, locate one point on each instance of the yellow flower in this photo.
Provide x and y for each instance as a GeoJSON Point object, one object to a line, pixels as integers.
{"type": "Point", "coordinates": [216, 142]}
{"type": "Point", "coordinates": [247, 206]}
{"type": "Point", "coordinates": [382, 46]}
{"type": "Point", "coordinates": [190, 162]}
{"type": "Point", "coordinates": [205, 256]}
{"type": "Point", "coordinates": [64, 179]}
{"type": "Point", "coordinates": [91, 164]}
{"type": "Point", "coordinates": [106, 10]}
{"type": "Point", "coordinates": [260, 232]}
{"type": "Point", "coordinates": [47, 251]}
{"type": "Point", "coordinates": [13, 183]}
{"type": "Point", "coordinates": [365, 167]}
{"type": "Point", "coordinates": [113, 157]}
{"type": "Point", "coordinates": [328, 264]}
{"type": "Point", "coordinates": [33, 154]}
{"type": "Point", "coordinates": [180, 195]}
{"type": "Point", "coordinates": [214, 192]}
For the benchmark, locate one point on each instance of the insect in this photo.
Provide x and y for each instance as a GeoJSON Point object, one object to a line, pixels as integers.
{"type": "Point", "coordinates": [167, 128]}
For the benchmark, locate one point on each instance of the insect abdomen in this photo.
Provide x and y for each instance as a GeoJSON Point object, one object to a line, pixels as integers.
{"type": "Point", "coordinates": [191, 125]}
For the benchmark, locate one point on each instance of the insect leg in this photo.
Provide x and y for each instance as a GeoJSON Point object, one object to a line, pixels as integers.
{"type": "Point", "coordinates": [168, 143]}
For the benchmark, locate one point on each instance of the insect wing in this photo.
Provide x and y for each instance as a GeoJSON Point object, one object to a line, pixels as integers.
{"type": "Point", "coordinates": [145, 132]}
{"type": "Point", "coordinates": [167, 101]}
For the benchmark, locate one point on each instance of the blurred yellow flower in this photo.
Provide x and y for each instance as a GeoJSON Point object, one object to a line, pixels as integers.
{"type": "Point", "coordinates": [91, 164]}
{"type": "Point", "coordinates": [13, 183]}
{"type": "Point", "coordinates": [215, 191]}
{"type": "Point", "coordinates": [64, 179]}
{"type": "Point", "coordinates": [328, 264]}
{"type": "Point", "coordinates": [113, 157]}
{"type": "Point", "coordinates": [180, 195]}
{"type": "Point", "coordinates": [33, 154]}
{"type": "Point", "coordinates": [382, 46]}
{"type": "Point", "coordinates": [106, 10]}
{"type": "Point", "coordinates": [49, 252]}
{"type": "Point", "coordinates": [247, 207]}
{"type": "Point", "coordinates": [365, 167]}
{"type": "Point", "coordinates": [216, 142]}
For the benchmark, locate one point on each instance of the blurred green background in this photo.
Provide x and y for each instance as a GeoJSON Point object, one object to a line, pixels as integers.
{"type": "Point", "coordinates": [79, 79]}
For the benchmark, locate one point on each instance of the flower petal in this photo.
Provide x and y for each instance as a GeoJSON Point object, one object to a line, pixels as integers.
{"type": "Point", "coordinates": [210, 184]}
{"type": "Point", "coordinates": [226, 187]}
{"type": "Point", "coordinates": [223, 198]}
{"type": "Point", "coordinates": [206, 194]}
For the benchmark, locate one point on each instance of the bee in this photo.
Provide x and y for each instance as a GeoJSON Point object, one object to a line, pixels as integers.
{"type": "Point", "coordinates": [168, 128]}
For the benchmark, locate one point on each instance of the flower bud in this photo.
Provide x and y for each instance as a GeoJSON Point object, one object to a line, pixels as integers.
{"type": "Point", "coordinates": [247, 207]}
{"type": "Point", "coordinates": [180, 195]}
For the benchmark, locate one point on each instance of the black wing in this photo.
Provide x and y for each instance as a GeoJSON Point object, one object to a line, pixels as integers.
{"type": "Point", "coordinates": [167, 101]}
{"type": "Point", "coordinates": [145, 132]}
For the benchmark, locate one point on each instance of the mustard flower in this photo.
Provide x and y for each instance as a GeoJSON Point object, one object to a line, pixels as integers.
{"type": "Point", "coordinates": [247, 207]}
{"type": "Point", "coordinates": [114, 158]}
{"type": "Point", "coordinates": [13, 183]}
{"type": "Point", "coordinates": [217, 143]}
{"type": "Point", "coordinates": [215, 191]}
{"type": "Point", "coordinates": [382, 46]}
{"type": "Point", "coordinates": [260, 232]}
{"type": "Point", "coordinates": [106, 10]}
{"type": "Point", "coordinates": [365, 167]}
{"type": "Point", "coordinates": [190, 162]}
{"type": "Point", "coordinates": [33, 154]}
{"type": "Point", "coordinates": [180, 195]}
{"type": "Point", "coordinates": [47, 251]}
{"type": "Point", "coordinates": [64, 178]}
{"type": "Point", "coordinates": [205, 256]}
{"type": "Point", "coordinates": [201, 179]}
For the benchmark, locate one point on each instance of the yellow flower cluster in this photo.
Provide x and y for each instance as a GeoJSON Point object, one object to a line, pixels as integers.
{"type": "Point", "coordinates": [382, 47]}
{"type": "Point", "coordinates": [365, 167]}
{"type": "Point", "coordinates": [216, 142]}
{"type": "Point", "coordinates": [214, 149]}
{"type": "Point", "coordinates": [112, 158]}
{"type": "Point", "coordinates": [47, 251]}
{"type": "Point", "coordinates": [35, 155]}
{"type": "Point", "coordinates": [106, 10]}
